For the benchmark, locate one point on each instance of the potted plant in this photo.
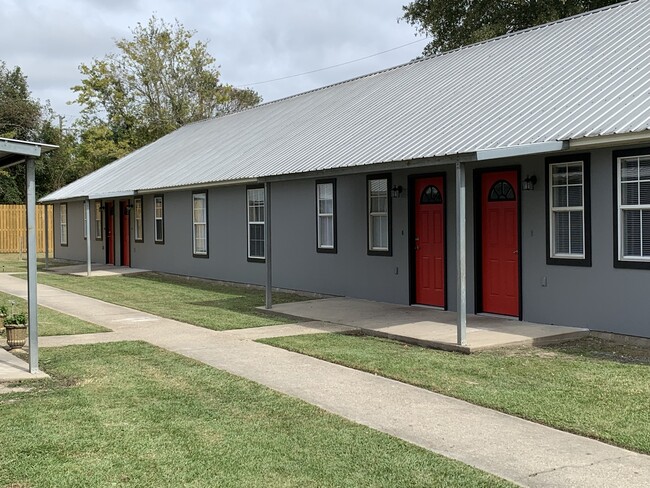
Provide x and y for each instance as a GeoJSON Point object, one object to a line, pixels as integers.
{"type": "Point", "coordinates": [3, 316]}
{"type": "Point", "coordinates": [16, 328]}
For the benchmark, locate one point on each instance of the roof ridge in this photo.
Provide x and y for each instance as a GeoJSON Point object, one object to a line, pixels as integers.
{"type": "Point", "coordinates": [436, 55]}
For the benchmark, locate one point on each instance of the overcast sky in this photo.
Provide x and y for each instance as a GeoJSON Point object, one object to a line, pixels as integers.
{"type": "Point", "coordinates": [252, 40]}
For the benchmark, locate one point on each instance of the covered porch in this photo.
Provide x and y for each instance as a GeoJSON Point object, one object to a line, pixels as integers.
{"type": "Point", "coordinates": [427, 326]}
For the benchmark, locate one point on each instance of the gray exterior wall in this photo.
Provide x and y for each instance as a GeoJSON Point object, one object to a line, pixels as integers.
{"type": "Point", "coordinates": [227, 251]}
{"type": "Point", "coordinates": [600, 297]}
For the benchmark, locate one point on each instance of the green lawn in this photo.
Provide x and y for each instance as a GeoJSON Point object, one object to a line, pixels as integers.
{"type": "Point", "coordinates": [50, 322]}
{"type": "Point", "coordinates": [130, 414]}
{"type": "Point", "coordinates": [11, 262]}
{"type": "Point", "coordinates": [200, 302]}
{"type": "Point", "coordinates": [590, 387]}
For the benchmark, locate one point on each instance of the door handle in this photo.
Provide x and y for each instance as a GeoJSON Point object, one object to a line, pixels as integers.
{"type": "Point", "coordinates": [516, 251]}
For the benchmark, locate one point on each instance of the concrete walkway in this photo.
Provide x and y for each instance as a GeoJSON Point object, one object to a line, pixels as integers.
{"type": "Point", "coordinates": [426, 326]}
{"type": "Point", "coordinates": [524, 452]}
{"type": "Point", "coordinates": [13, 368]}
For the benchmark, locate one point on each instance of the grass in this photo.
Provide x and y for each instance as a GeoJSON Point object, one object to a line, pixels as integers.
{"type": "Point", "coordinates": [200, 302]}
{"type": "Point", "coordinates": [130, 414]}
{"type": "Point", "coordinates": [11, 262]}
{"type": "Point", "coordinates": [51, 322]}
{"type": "Point", "coordinates": [590, 387]}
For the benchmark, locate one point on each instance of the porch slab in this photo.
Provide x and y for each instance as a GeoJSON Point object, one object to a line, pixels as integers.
{"type": "Point", "coordinates": [96, 270]}
{"type": "Point", "coordinates": [13, 368]}
{"type": "Point", "coordinates": [426, 326]}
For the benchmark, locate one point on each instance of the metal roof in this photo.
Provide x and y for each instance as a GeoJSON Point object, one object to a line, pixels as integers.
{"type": "Point", "coordinates": [13, 151]}
{"type": "Point", "coordinates": [585, 76]}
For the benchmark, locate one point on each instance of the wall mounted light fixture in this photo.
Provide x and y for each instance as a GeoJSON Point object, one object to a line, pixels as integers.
{"type": "Point", "coordinates": [396, 191]}
{"type": "Point", "coordinates": [529, 183]}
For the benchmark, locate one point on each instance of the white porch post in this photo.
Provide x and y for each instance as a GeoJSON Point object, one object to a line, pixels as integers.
{"type": "Point", "coordinates": [88, 248]}
{"type": "Point", "coordinates": [461, 256]}
{"type": "Point", "coordinates": [267, 245]}
{"type": "Point", "coordinates": [31, 263]}
{"type": "Point", "coordinates": [47, 236]}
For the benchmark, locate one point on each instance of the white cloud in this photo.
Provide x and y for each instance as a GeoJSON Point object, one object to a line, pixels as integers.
{"type": "Point", "coordinates": [253, 40]}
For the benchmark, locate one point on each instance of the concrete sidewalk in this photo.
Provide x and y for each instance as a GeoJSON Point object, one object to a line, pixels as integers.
{"type": "Point", "coordinates": [521, 451]}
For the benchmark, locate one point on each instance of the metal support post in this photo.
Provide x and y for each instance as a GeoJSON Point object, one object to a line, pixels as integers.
{"type": "Point", "coordinates": [461, 256]}
{"type": "Point", "coordinates": [267, 245]}
{"type": "Point", "coordinates": [47, 236]}
{"type": "Point", "coordinates": [30, 177]}
{"type": "Point", "coordinates": [88, 248]}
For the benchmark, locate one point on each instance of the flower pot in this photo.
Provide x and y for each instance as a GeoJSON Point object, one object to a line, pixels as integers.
{"type": "Point", "coordinates": [16, 335]}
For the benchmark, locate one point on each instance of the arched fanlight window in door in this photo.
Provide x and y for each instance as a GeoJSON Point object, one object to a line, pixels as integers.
{"type": "Point", "coordinates": [430, 195]}
{"type": "Point", "coordinates": [501, 191]}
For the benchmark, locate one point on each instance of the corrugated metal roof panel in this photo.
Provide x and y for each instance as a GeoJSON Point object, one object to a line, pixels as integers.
{"type": "Point", "coordinates": [581, 77]}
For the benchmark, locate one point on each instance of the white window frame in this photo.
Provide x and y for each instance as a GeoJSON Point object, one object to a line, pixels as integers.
{"type": "Point", "coordinates": [622, 208]}
{"type": "Point", "coordinates": [99, 229]}
{"type": "Point", "coordinates": [326, 215]}
{"type": "Point", "coordinates": [372, 247]}
{"type": "Point", "coordinates": [63, 224]}
{"type": "Point", "coordinates": [196, 224]}
{"type": "Point", "coordinates": [553, 210]}
{"type": "Point", "coordinates": [250, 205]}
{"type": "Point", "coordinates": [159, 239]}
{"type": "Point", "coordinates": [138, 230]}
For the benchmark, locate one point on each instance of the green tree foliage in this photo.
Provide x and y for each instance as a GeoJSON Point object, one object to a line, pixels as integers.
{"type": "Point", "coordinates": [22, 117]}
{"type": "Point", "coordinates": [452, 24]}
{"type": "Point", "coordinates": [158, 81]}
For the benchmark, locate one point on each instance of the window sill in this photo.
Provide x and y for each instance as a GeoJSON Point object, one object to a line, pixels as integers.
{"type": "Point", "coordinates": [556, 261]}
{"type": "Point", "coordinates": [631, 264]}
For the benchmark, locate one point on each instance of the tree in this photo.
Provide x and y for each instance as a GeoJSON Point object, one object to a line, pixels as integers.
{"type": "Point", "coordinates": [19, 119]}
{"type": "Point", "coordinates": [19, 113]}
{"type": "Point", "coordinates": [454, 24]}
{"type": "Point", "coordinates": [158, 81]}
{"type": "Point", "coordinates": [22, 117]}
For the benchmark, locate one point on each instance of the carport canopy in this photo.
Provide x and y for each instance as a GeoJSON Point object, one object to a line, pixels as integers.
{"type": "Point", "coordinates": [14, 152]}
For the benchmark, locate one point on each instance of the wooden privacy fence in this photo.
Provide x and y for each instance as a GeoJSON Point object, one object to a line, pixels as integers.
{"type": "Point", "coordinates": [13, 228]}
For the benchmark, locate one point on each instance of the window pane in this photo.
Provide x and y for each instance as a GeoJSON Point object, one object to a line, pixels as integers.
{"type": "Point", "coordinates": [561, 228]}
{"type": "Point", "coordinates": [575, 196]}
{"type": "Point", "coordinates": [378, 186]}
{"type": "Point", "coordinates": [326, 231]}
{"type": "Point", "coordinates": [256, 243]}
{"type": "Point", "coordinates": [560, 196]}
{"type": "Point", "coordinates": [559, 172]}
{"type": "Point", "coordinates": [378, 204]}
{"type": "Point", "coordinates": [159, 230]}
{"type": "Point", "coordinates": [326, 191]}
{"type": "Point", "coordinates": [325, 206]}
{"type": "Point", "coordinates": [380, 232]}
{"type": "Point", "coordinates": [158, 208]}
{"type": "Point", "coordinates": [645, 232]}
{"type": "Point", "coordinates": [630, 193]}
{"type": "Point", "coordinates": [632, 232]}
{"type": "Point", "coordinates": [576, 233]}
{"type": "Point", "coordinates": [574, 174]}
{"type": "Point", "coordinates": [644, 168]}
{"type": "Point", "coordinates": [629, 169]}
{"type": "Point", "coordinates": [644, 193]}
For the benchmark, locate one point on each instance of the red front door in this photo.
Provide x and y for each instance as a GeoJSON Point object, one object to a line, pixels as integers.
{"type": "Point", "coordinates": [500, 242]}
{"type": "Point", "coordinates": [429, 241]}
{"type": "Point", "coordinates": [125, 236]}
{"type": "Point", "coordinates": [109, 211]}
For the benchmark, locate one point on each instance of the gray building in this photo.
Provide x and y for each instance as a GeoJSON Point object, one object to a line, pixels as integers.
{"type": "Point", "coordinates": [524, 160]}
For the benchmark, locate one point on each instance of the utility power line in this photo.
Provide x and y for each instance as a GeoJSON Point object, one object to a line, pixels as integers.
{"type": "Point", "coordinates": [332, 66]}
